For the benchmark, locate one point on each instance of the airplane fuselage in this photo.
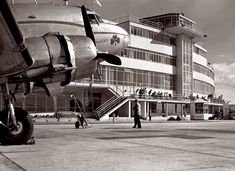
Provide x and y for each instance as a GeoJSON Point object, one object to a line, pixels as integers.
{"type": "Point", "coordinates": [38, 20]}
{"type": "Point", "coordinates": [48, 46]}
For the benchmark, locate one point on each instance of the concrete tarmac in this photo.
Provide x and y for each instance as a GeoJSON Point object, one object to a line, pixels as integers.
{"type": "Point", "coordinates": [168, 146]}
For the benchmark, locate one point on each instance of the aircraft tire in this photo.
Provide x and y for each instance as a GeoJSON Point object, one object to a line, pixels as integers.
{"type": "Point", "coordinates": [24, 125]}
{"type": "Point", "coordinates": [77, 124]}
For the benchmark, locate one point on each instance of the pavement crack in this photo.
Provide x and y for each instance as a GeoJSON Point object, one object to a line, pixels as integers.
{"type": "Point", "coordinates": [9, 163]}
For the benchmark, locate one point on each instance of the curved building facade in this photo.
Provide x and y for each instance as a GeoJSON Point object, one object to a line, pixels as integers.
{"type": "Point", "coordinates": [163, 55]}
{"type": "Point", "coordinates": [164, 67]}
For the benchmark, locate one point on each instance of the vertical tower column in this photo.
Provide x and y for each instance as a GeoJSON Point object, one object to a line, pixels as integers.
{"type": "Point", "coordinates": [182, 109]}
{"type": "Point", "coordinates": [144, 110]}
{"type": "Point", "coordinates": [129, 112]}
{"type": "Point", "coordinates": [176, 110]}
{"type": "Point", "coordinates": [166, 111]}
{"type": "Point", "coordinates": [184, 64]}
{"type": "Point", "coordinates": [163, 110]}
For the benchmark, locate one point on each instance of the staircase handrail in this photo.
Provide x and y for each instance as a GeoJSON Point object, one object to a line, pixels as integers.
{"type": "Point", "coordinates": [108, 106]}
{"type": "Point", "coordinates": [108, 101]}
{"type": "Point", "coordinates": [117, 88]}
{"type": "Point", "coordinates": [103, 106]}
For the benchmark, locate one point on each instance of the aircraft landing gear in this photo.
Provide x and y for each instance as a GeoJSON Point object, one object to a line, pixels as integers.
{"type": "Point", "coordinates": [16, 125]}
{"type": "Point", "coordinates": [19, 135]}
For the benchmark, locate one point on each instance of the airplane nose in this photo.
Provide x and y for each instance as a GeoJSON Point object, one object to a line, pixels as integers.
{"type": "Point", "coordinates": [126, 41]}
{"type": "Point", "coordinates": [126, 38]}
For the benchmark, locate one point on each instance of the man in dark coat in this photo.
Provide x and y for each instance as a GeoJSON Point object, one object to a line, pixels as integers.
{"type": "Point", "coordinates": [136, 110]}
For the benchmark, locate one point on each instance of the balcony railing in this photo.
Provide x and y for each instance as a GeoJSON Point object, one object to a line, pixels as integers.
{"type": "Point", "coordinates": [137, 20]}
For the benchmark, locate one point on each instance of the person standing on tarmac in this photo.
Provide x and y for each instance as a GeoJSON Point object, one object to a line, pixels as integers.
{"type": "Point", "coordinates": [136, 110]}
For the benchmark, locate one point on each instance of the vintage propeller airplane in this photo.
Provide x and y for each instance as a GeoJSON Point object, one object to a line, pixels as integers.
{"type": "Point", "coordinates": [48, 46]}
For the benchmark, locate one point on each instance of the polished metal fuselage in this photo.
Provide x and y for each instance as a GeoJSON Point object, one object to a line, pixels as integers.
{"type": "Point", "coordinates": [37, 20]}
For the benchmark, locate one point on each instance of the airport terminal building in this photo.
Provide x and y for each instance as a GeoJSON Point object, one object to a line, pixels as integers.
{"type": "Point", "coordinates": [164, 67]}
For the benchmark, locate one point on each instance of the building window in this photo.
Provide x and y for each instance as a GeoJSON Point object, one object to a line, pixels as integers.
{"type": "Point", "coordinates": [162, 37]}
{"type": "Point", "coordinates": [149, 56]}
{"type": "Point", "coordinates": [201, 87]}
{"type": "Point", "coordinates": [199, 51]}
{"type": "Point", "coordinates": [203, 70]}
{"type": "Point", "coordinates": [133, 77]}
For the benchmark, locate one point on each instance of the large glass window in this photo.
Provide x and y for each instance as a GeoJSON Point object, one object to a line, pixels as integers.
{"type": "Point", "coordinates": [162, 37]}
{"type": "Point", "coordinates": [133, 77]}
{"type": "Point", "coordinates": [201, 87]}
{"type": "Point", "coordinates": [187, 65]}
{"type": "Point", "coordinates": [203, 70]}
{"type": "Point", "coordinates": [199, 51]}
{"type": "Point", "coordinates": [149, 56]}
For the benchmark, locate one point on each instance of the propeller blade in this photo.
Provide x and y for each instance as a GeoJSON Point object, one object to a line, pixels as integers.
{"type": "Point", "coordinates": [112, 59]}
{"type": "Point", "coordinates": [99, 71]}
{"type": "Point", "coordinates": [87, 25]}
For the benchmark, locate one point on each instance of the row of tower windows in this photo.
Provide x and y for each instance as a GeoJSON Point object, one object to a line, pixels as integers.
{"type": "Point", "coordinates": [203, 70]}
{"type": "Point", "coordinates": [162, 58]}
{"type": "Point", "coordinates": [148, 56]}
{"type": "Point", "coordinates": [133, 77]}
{"type": "Point", "coordinates": [165, 38]}
{"type": "Point", "coordinates": [201, 87]}
{"type": "Point", "coordinates": [199, 51]}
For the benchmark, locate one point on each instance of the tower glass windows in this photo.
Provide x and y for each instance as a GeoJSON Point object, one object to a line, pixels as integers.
{"type": "Point", "coordinates": [133, 77]}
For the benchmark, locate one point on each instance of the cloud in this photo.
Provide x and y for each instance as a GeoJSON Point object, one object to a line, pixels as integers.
{"type": "Point", "coordinates": [225, 80]}
{"type": "Point", "coordinates": [224, 74]}
{"type": "Point", "coordinates": [227, 93]}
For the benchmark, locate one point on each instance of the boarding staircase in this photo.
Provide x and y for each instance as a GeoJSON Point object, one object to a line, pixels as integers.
{"type": "Point", "coordinates": [109, 106]}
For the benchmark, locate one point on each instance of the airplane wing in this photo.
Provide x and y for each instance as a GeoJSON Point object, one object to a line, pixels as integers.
{"type": "Point", "coordinates": [14, 56]}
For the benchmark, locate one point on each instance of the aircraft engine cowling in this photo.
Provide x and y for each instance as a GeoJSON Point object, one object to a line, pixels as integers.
{"type": "Point", "coordinates": [60, 59]}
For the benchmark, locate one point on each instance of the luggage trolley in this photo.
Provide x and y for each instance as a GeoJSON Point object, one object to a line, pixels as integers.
{"type": "Point", "coordinates": [81, 120]}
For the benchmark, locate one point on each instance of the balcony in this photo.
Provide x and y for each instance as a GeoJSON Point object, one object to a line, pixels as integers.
{"type": "Point", "coordinates": [180, 28]}
{"type": "Point", "coordinates": [137, 20]}
{"type": "Point", "coordinates": [177, 23]}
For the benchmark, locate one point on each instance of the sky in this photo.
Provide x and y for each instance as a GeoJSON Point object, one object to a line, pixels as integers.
{"type": "Point", "coordinates": [214, 17]}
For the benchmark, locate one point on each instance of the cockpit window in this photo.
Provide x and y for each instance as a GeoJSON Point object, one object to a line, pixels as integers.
{"type": "Point", "coordinates": [92, 19]}
{"type": "Point", "coordinates": [99, 19]}
{"type": "Point", "coordinates": [95, 19]}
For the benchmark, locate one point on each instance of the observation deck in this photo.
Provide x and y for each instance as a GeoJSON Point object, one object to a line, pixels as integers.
{"type": "Point", "coordinates": [177, 23]}
{"type": "Point", "coordinates": [156, 25]}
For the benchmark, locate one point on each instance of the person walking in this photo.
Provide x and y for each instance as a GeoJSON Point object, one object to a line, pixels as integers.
{"type": "Point", "coordinates": [136, 110]}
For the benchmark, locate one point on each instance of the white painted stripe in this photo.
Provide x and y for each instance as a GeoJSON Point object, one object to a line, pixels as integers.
{"type": "Point", "coordinates": [152, 45]}
{"type": "Point", "coordinates": [204, 78]}
{"type": "Point", "coordinates": [144, 65]}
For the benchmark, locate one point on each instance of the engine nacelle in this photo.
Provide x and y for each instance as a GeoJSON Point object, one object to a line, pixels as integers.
{"type": "Point", "coordinates": [59, 58]}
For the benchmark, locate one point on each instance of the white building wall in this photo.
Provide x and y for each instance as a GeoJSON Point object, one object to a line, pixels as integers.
{"type": "Point", "coordinates": [151, 45]}
{"type": "Point", "coordinates": [204, 78]}
{"type": "Point", "coordinates": [199, 59]}
{"type": "Point", "coordinates": [200, 47]}
{"type": "Point", "coordinates": [145, 27]}
{"type": "Point", "coordinates": [144, 65]}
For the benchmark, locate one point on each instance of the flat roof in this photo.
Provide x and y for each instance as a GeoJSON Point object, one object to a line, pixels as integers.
{"type": "Point", "coordinates": [169, 14]}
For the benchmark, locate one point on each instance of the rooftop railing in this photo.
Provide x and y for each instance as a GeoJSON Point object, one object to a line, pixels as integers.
{"type": "Point", "coordinates": [210, 66]}
{"type": "Point", "coordinates": [137, 20]}
{"type": "Point", "coordinates": [191, 27]}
